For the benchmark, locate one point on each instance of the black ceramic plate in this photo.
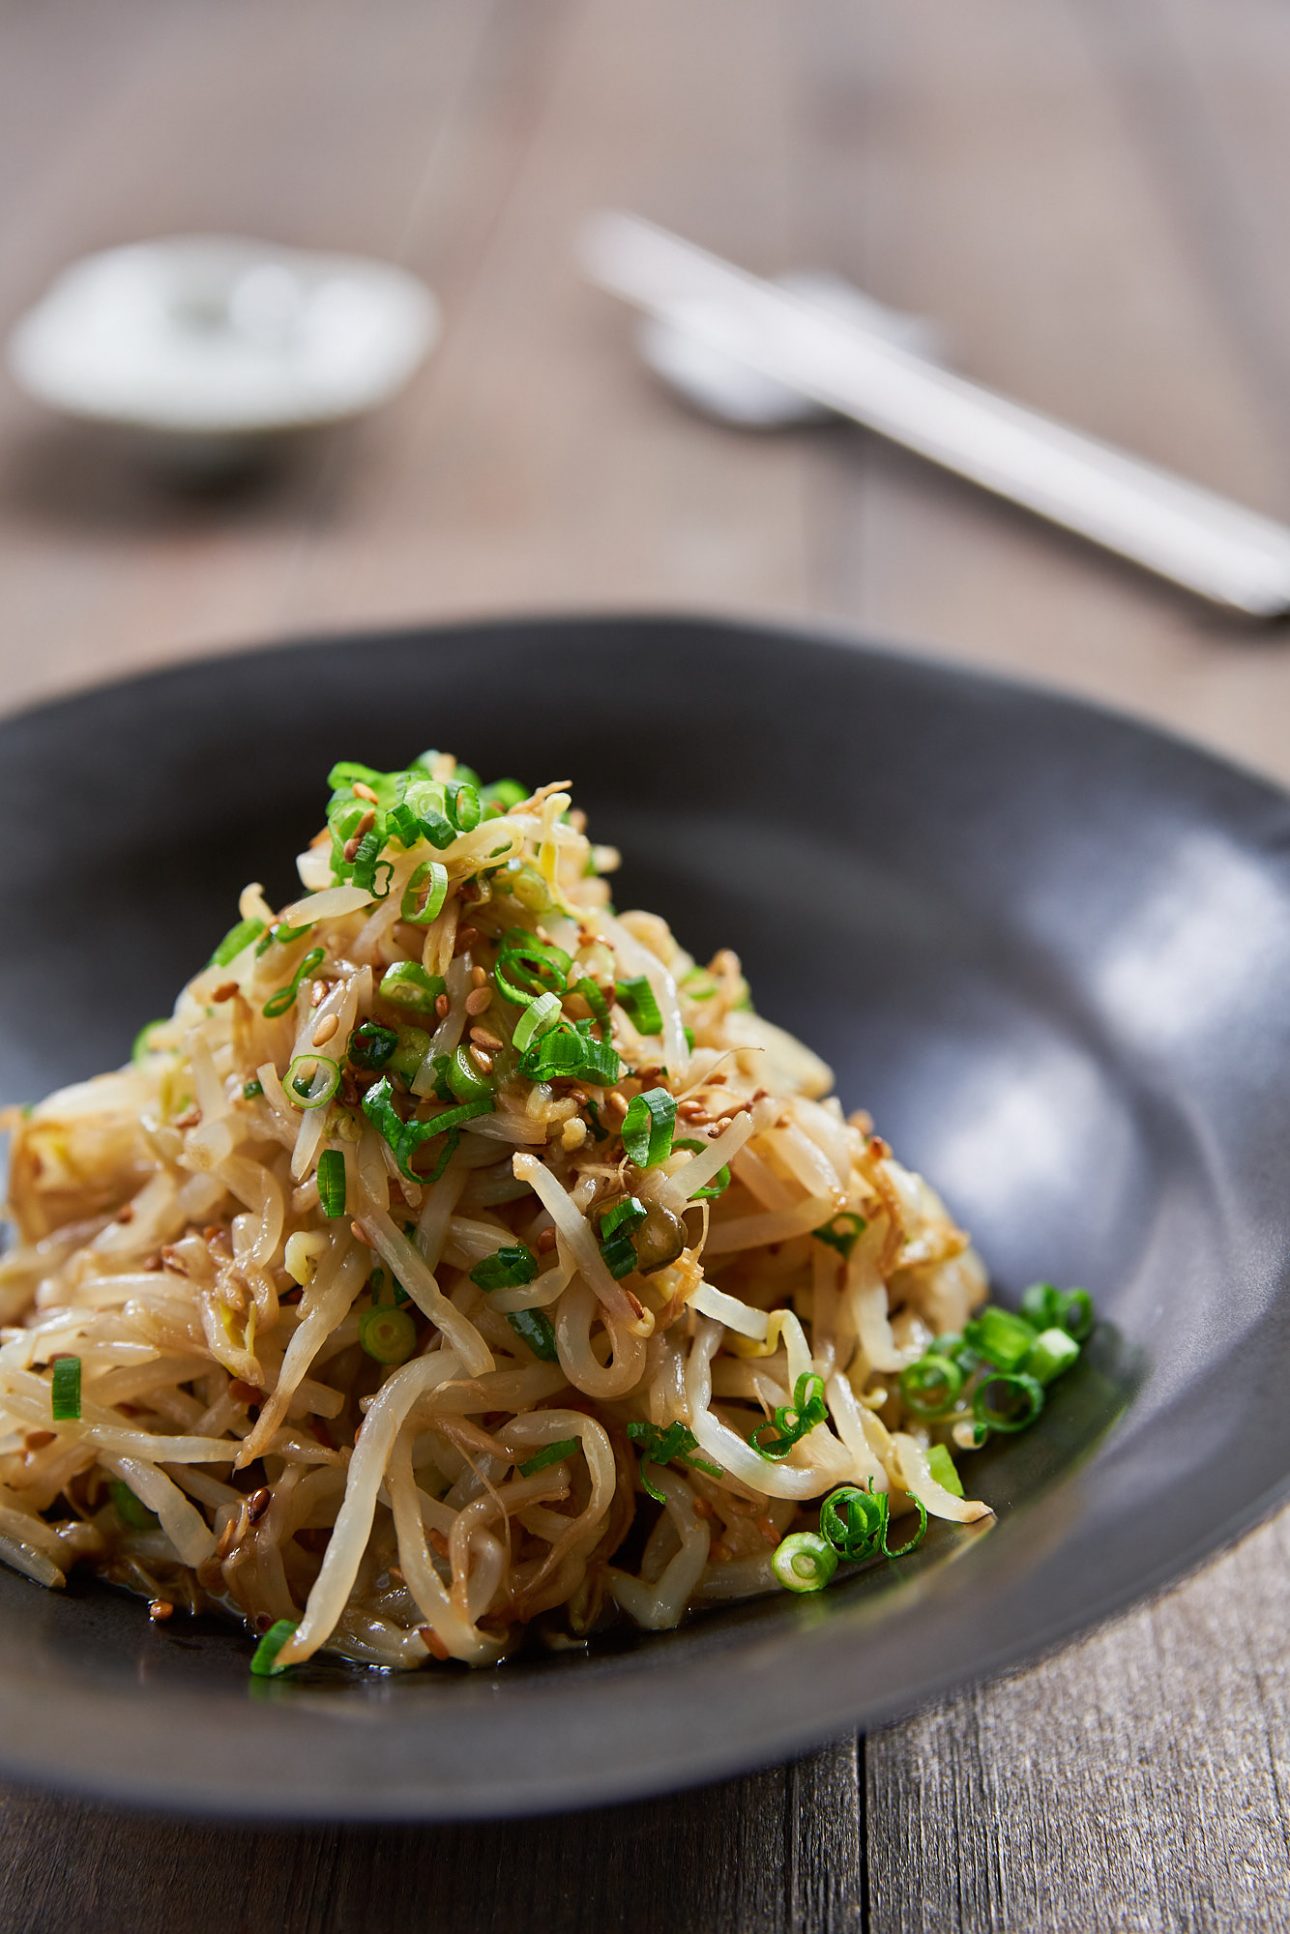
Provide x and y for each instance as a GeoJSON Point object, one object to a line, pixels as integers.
{"type": "Point", "coordinates": [1049, 950]}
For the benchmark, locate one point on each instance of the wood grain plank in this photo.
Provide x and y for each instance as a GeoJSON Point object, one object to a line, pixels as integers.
{"type": "Point", "coordinates": [1137, 1781]}
{"type": "Point", "coordinates": [773, 1854]}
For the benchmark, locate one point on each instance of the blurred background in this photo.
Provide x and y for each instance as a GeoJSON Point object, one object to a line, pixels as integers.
{"type": "Point", "coordinates": [1083, 195]}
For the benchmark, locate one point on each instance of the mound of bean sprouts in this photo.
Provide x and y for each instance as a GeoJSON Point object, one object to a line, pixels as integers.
{"type": "Point", "coordinates": [462, 1259]}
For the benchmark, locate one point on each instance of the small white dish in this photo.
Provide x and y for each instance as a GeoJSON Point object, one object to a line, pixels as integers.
{"type": "Point", "coordinates": [219, 342]}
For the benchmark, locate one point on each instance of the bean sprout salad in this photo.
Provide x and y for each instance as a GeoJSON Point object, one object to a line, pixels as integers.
{"type": "Point", "coordinates": [463, 1260]}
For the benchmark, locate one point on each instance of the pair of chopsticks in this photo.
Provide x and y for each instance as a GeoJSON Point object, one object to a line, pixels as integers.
{"type": "Point", "coordinates": [1215, 548]}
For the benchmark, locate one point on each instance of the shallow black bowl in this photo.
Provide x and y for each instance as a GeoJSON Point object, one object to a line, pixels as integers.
{"type": "Point", "coordinates": [1048, 949]}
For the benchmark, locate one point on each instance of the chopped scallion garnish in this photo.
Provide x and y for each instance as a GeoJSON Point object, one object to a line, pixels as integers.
{"type": "Point", "coordinates": [792, 1421]}
{"type": "Point", "coordinates": [1047, 1307]}
{"type": "Point", "coordinates": [371, 1045]}
{"type": "Point", "coordinates": [803, 1562]}
{"type": "Point", "coordinates": [1054, 1352]}
{"type": "Point", "coordinates": [387, 1334]}
{"type": "Point", "coordinates": [1000, 1337]}
{"type": "Point", "coordinates": [548, 1455]}
{"type": "Point", "coordinates": [538, 1018]}
{"type": "Point", "coordinates": [942, 1468]}
{"type": "Point", "coordinates": [641, 1003]}
{"type": "Point", "coordinates": [648, 1127]}
{"type": "Point", "coordinates": [407, 984]}
{"type": "Point", "coordinates": [425, 893]}
{"type": "Point", "coordinates": [331, 1182]}
{"type": "Point", "coordinates": [842, 1233]}
{"type": "Point", "coordinates": [65, 1389]}
{"type": "Point", "coordinates": [1008, 1402]}
{"type": "Point", "coordinates": [535, 1328]}
{"type": "Point", "coordinates": [285, 998]}
{"type": "Point", "coordinates": [311, 1080]}
{"type": "Point", "coordinates": [236, 941]}
{"type": "Point", "coordinates": [509, 1267]}
{"type": "Point", "coordinates": [677, 1443]}
{"type": "Point", "coordinates": [931, 1385]}
{"type": "Point", "coordinates": [264, 1660]}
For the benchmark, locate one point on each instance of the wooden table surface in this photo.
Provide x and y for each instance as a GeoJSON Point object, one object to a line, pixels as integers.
{"type": "Point", "coordinates": [1089, 195]}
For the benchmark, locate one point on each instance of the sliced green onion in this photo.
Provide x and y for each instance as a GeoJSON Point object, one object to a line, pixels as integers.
{"type": "Point", "coordinates": [720, 1181]}
{"type": "Point", "coordinates": [616, 1245]}
{"type": "Point", "coordinates": [285, 998]}
{"type": "Point", "coordinates": [436, 828]}
{"type": "Point", "coordinates": [281, 936]}
{"type": "Point", "coordinates": [387, 1334]}
{"type": "Point", "coordinates": [464, 1079]}
{"type": "Point", "coordinates": [1000, 1337]}
{"type": "Point", "coordinates": [639, 999]}
{"type": "Point", "coordinates": [842, 1232]}
{"type": "Point", "coordinates": [1054, 1352]}
{"type": "Point", "coordinates": [648, 1127]}
{"type": "Point", "coordinates": [534, 1327]}
{"type": "Point", "coordinates": [264, 1660]}
{"type": "Point", "coordinates": [407, 984]}
{"type": "Point", "coordinates": [509, 1267]}
{"type": "Point", "coordinates": [252, 1090]}
{"type": "Point", "coordinates": [365, 863]}
{"type": "Point", "coordinates": [425, 893]}
{"type": "Point", "coordinates": [1048, 1307]}
{"type": "Point", "coordinates": [903, 1551]}
{"type": "Point", "coordinates": [663, 1446]}
{"type": "Point", "coordinates": [538, 1018]}
{"type": "Point", "coordinates": [413, 1047]}
{"type": "Point", "coordinates": [371, 1045]}
{"type": "Point", "coordinates": [931, 1385]}
{"type": "Point", "coordinates": [331, 1182]}
{"type": "Point", "coordinates": [130, 1509]}
{"type": "Point", "coordinates": [791, 1422]}
{"type": "Point", "coordinates": [314, 1088]}
{"type": "Point", "coordinates": [404, 824]}
{"type": "Point", "coordinates": [462, 802]}
{"type": "Point", "coordinates": [65, 1390]}
{"type": "Point", "coordinates": [943, 1470]}
{"type": "Point", "coordinates": [525, 884]}
{"type": "Point", "coordinates": [803, 1562]}
{"type": "Point", "coordinates": [571, 1052]}
{"type": "Point", "coordinates": [235, 941]}
{"type": "Point", "coordinates": [405, 1137]}
{"type": "Point", "coordinates": [853, 1521]}
{"type": "Point", "coordinates": [595, 1000]}
{"type": "Point", "coordinates": [548, 1455]}
{"type": "Point", "coordinates": [1019, 1401]}
{"type": "Point", "coordinates": [527, 967]}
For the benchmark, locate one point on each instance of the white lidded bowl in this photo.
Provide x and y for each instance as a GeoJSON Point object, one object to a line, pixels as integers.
{"type": "Point", "coordinates": [212, 338]}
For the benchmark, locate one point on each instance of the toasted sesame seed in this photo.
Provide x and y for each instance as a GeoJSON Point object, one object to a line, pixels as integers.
{"type": "Point", "coordinates": [363, 791]}
{"type": "Point", "coordinates": [364, 825]}
{"type": "Point", "coordinates": [692, 1111]}
{"type": "Point", "coordinates": [480, 1001]}
{"type": "Point", "coordinates": [466, 938]}
{"type": "Point", "coordinates": [616, 1103]}
{"type": "Point", "coordinates": [224, 992]}
{"type": "Point", "coordinates": [360, 1234]}
{"type": "Point", "coordinates": [484, 1062]}
{"type": "Point", "coordinates": [37, 1439]}
{"type": "Point", "coordinates": [441, 1006]}
{"type": "Point", "coordinates": [325, 1029]}
{"type": "Point", "coordinates": [483, 1039]}
{"type": "Point", "coordinates": [480, 976]}
{"type": "Point", "coordinates": [258, 1503]}
{"type": "Point", "coordinates": [160, 1610]}
{"type": "Point", "coordinates": [545, 1242]}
